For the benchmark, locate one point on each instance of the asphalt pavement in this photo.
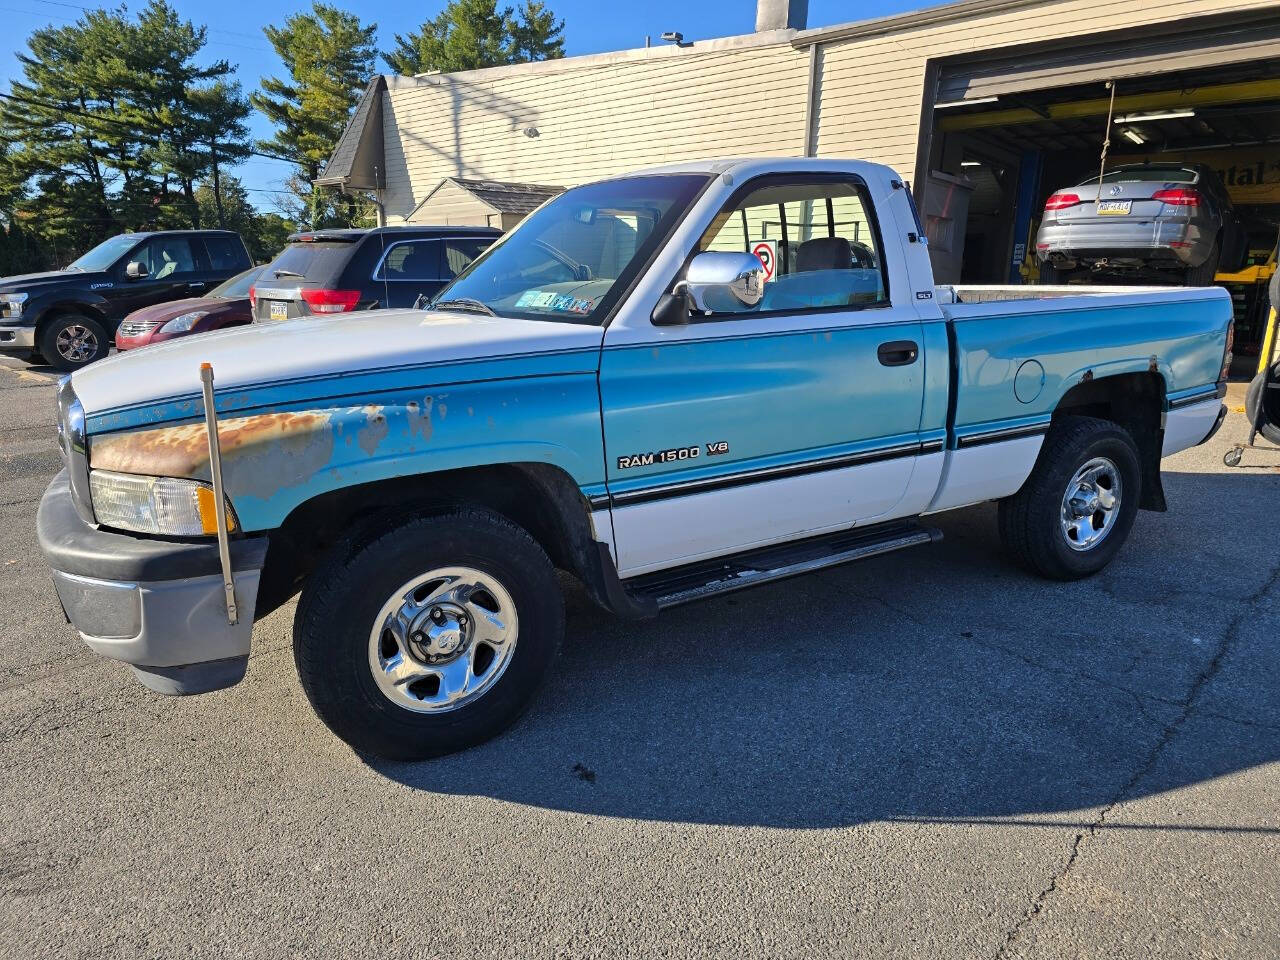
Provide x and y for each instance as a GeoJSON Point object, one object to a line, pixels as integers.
{"type": "Point", "coordinates": [929, 754]}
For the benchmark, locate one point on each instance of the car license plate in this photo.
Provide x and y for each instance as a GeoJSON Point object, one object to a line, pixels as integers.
{"type": "Point", "coordinates": [1114, 208]}
{"type": "Point", "coordinates": [278, 310]}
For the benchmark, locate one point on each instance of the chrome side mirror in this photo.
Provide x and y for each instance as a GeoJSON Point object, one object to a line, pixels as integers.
{"type": "Point", "coordinates": [135, 270]}
{"type": "Point", "coordinates": [722, 281]}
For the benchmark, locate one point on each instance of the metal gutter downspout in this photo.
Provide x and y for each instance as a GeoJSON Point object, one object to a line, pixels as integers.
{"type": "Point", "coordinates": [811, 105]}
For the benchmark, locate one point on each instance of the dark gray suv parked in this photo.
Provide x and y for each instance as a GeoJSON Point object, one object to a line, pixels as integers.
{"type": "Point", "coordinates": [336, 271]}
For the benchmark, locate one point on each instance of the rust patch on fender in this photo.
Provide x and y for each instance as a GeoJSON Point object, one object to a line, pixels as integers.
{"type": "Point", "coordinates": [374, 431]}
{"type": "Point", "coordinates": [419, 417]}
{"type": "Point", "coordinates": [1088, 375]}
{"type": "Point", "coordinates": [261, 455]}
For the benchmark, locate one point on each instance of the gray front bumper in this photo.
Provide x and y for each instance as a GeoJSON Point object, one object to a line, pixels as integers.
{"type": "Point", "coordinates": [156, 605]}
{"type": "Point", "coordinates": [17, 338]}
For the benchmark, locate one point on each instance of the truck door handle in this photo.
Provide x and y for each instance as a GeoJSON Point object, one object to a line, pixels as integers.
{"type": "Point", "coordinates": [898, 353]}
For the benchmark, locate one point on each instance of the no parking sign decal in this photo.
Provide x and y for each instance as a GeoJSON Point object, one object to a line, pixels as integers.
{"type": "Point", "coordinates": [766, 252]}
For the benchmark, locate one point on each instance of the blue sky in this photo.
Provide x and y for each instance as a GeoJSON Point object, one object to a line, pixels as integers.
{"type": "Point", "coordinates": [591, 26]}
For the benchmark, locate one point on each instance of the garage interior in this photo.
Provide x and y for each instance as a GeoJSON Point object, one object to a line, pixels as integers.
{"type": "Point", "coordinates": [1005, 133]}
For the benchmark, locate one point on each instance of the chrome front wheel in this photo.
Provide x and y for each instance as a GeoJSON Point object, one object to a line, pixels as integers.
{"type": "Point", "coordinates": [1091, 504]}
{"type": "Point", "coordinates": [70, 341]}
{"type": "Point", "coordinates": [76, 343]}
{"type": "Point", "coordinates": [407, 637]}
{"type": "Point", "coordinates": [443, 639]}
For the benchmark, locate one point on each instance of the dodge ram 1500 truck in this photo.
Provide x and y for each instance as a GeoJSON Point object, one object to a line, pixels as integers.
{"type": "Point", "coordinates": [686, 381]}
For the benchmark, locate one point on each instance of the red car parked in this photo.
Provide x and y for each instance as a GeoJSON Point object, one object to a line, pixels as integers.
{"type": "Point", "coordinates": [226, 305]}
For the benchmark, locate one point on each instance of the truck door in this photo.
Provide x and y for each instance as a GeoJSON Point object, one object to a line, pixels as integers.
{"type": "Point", "coordinates": [751, 426]}
{"type": "Point", "coordinates": [171, 265]}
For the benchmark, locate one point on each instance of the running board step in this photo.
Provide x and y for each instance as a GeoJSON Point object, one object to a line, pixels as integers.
{"type": "Point", "coordinates": [669, 588]}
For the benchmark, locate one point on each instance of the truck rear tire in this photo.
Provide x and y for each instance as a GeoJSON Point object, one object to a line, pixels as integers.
{"type": "Point", "coordinates": [428, 636]}
{"type": "Point", "coordinates": [1075, 511]}
{"type": "Point", "coordinates": [72, 340]}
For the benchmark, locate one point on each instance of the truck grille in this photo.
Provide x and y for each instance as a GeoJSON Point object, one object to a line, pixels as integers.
{"type": "Point", "coordinates": [134, 328]}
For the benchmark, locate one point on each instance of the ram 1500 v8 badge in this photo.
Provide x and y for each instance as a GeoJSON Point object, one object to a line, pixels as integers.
{"type": "Point", "coordinates": [619, 390]}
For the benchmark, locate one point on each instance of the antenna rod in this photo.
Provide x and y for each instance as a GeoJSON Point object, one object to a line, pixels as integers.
{"type": "Point", "coordinates": [219, 499]}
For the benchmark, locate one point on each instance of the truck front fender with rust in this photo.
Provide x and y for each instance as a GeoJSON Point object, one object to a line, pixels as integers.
{"type": "Point", "coordinates": [275, 460]}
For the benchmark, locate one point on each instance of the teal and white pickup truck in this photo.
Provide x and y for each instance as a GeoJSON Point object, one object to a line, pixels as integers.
{"type": "Point", "coordinates": [670, 385]}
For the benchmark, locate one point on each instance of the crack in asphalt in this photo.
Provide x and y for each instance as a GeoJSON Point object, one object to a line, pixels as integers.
{"type": "Point", "coordinates": [1171, 729]}
{"type": "Point", "coordinates": [1071, 672]}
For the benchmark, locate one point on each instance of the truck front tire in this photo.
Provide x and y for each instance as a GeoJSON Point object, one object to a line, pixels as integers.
{"type": "Point", "coordinates": [429, 636]}
{"type": "Point", "coordinates": [71, 341]}
{"type": "Point", "coordinates": [1075, 511]}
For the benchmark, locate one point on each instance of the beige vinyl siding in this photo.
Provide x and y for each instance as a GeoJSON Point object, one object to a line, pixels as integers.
{"type": "Point", "coordinates": [451, 205]}
{"type": "Point", "coordinates": [869, 103]}
{"type": "Point", "coordinates": [605, 115]}
{"type": "Point", "coordinates": [591, 122]}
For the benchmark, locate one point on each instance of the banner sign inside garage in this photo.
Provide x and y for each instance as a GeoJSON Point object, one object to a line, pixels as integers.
{"type": "Point", "coordinates": [1251, 174]}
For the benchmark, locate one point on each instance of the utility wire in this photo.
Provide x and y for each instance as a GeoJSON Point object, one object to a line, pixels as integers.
{"type": "Point", "coordinates": [78, 6]}
{"type": "Point", "coordinates": [117, 122]}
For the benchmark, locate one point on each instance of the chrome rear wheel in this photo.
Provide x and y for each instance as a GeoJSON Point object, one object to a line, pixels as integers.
{"type": "Point", "coordinates": [1091, 504]}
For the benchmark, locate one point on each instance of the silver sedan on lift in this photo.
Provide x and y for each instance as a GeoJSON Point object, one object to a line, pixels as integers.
{"type": "Point", "coordinates": [1143, 221]}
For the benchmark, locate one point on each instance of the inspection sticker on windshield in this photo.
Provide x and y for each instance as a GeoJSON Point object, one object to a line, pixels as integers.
{"type": "Point", "coordinates": [554, 301]}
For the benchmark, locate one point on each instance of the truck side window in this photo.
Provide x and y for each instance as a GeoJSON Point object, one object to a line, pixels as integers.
{"type": "Point", "coordinates": [816, 239]}
{"type": "Point", "coordinates": [411, 260]}
{"type": "Point", "coordinates": [459, 252]}
{"type": "Point", "coordinates": [166, 257]}
{"type": "Point", "coordinates": [225, 253]}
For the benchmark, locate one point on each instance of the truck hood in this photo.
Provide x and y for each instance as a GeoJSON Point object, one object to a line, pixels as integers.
{"type": "Point", "coordinates": [310, 348]}
{"type": "Point", "coordinates": [35, 282]}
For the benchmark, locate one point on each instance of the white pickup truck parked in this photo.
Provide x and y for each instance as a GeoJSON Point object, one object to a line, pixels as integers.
{"type": "Point", "coordinates": [686, 381]}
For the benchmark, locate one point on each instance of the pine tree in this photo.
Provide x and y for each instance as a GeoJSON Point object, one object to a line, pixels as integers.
{"type": "Point", "coordinates": [329, 55]}
{"type": "Point", "coordinates": [112, 125]}
{"type": "Point", "coordinates": [471, 34]}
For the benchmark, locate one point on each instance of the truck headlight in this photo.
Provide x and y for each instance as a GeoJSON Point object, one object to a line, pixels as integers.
{"type": "Point", "coordinates": [15, 302]}
{"type": "Point", "coordinates": [185, 322]}
{"type": "Point", "coordinates": [166, 506]}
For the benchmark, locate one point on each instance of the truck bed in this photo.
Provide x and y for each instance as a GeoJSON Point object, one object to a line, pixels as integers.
{"type": "Point", "coordinates": [1038, 342]}
{"type": "Point", "coordinates": [948, 295]}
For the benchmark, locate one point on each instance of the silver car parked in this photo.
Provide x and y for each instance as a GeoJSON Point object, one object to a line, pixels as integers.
{"type": "Point", "coordinates": [1142, 220]}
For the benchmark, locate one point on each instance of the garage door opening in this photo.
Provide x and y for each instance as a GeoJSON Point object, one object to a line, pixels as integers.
{"type": "Point", "coordinates": [1190, 187]}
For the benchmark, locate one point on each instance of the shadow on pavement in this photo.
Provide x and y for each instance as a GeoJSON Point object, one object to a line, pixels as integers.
{"type": "Point", "coordinates": [930, 684]}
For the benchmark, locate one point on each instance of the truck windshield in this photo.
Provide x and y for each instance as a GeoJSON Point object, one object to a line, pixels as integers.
{"type": "Point", "coordinates": [106, 253]}
{"type": "Point", "coordinates": [574, 257]}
